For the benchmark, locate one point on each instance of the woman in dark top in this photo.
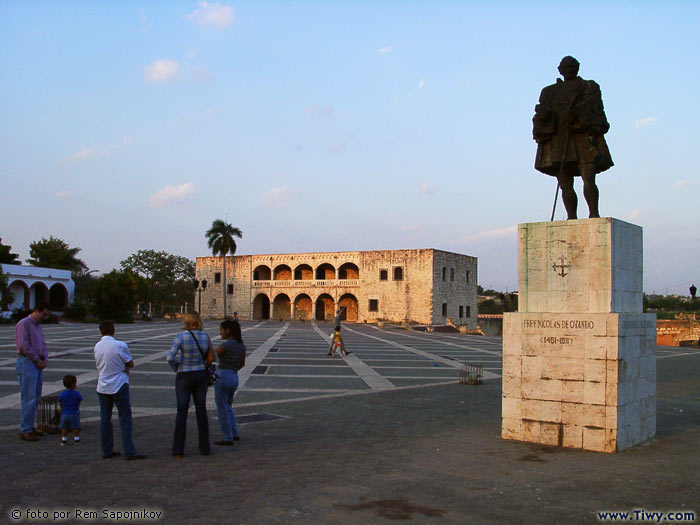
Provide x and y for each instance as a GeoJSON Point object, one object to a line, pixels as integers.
{"type": "Point", "coordinates": [231, 354]}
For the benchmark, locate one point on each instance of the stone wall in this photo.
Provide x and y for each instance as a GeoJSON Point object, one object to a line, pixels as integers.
{"type": "Point", "coordinates": [672, 332]}
{"type": "Point", "coordinates": [394, 285]}
{"type": "Point", "coordinates": [455, 279]}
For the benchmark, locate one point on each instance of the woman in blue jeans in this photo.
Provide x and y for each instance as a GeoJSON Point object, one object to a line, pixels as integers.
{"type": "Point", "coordinates": [231, 354]}
{"type": "Point", "coordinates": [188, 355]}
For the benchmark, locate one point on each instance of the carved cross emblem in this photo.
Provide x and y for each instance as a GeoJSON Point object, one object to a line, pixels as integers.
{"type": "Point", "coordinates": [561, 267]}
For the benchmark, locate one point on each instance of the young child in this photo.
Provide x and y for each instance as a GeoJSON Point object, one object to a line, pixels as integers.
{"type": "Point", "coordinates": [69, 400]}
{"type": "Point", "coordinates": [337, 344]}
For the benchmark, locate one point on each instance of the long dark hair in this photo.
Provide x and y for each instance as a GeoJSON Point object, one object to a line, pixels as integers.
{"type": "Point", "coordinates": [233, 328]}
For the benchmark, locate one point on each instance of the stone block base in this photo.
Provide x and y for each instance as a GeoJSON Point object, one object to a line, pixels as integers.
{"type": "Point", "coordinates": [579, 380]}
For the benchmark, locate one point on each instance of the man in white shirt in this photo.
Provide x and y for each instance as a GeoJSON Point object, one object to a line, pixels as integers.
{"type": "Point", "coordinates": [113, 361]}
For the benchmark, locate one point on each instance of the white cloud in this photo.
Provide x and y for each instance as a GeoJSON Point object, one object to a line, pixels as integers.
{"type": "Point", "coordinates": [144, 23]}
{"type": "Point", "coordinates": [170, 194]}
{"type": "Point", "coordinates": [63, 194]}
{"type": "Point", "coordinates": [411, 227]}
{"type": "Point", "coordinates": [104, 151]}
{"type": "Point", "coordinates": [645, 122]}
{"type": "Point", "coordinates": [491, 234]}
{"type": "Point", "coordinates": [421, 84]}
{"type": "Point", "coordinates": [427, 187]}
{"type": "Point", "coordinates": [683, 183]}
{"type": "Point", "coordinates": [337, 149]}
{"type": "Point", "coordinates": [277, 197]}
{"type": "Point", "coordinates": [161, 71]}
{"type": "Point", "coordinates": [200, 74]}
{"type": "Point", "coordinates": [384, 50]}
{"type": "Point", "coordinates": [83, 154]}
{"type": "Point", "coordinates": [320, 112]}
{"type": "Point", "coordinates": [212, 15]}
{"type": "Point", "coordinates": [633, 214]}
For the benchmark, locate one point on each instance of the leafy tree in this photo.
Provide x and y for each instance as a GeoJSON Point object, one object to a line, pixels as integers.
{"type": "Point", "coordinates": [55, 253]}
{"type": "Point", "coordinates": [220, 239]}
{"type": "Point", "coordinates": [6, 257]}
{"type": "Point", "coordinates": [7, 296]}
{"type": "Point", "coordinates": [116, 295]}
{"type": "Point", "coordinates": [169, 276]}
{"type": "Point", "coordinates": [489, 306]}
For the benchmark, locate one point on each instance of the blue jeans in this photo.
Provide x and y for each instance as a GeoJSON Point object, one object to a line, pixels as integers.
{"type": "Point", "coordinates": [107, 402]}
{"type": "Point", "coordinates": [224, 389]}
{"type": "Point", "coordinates": [30, 381]}
{"type": "Point", "coordinates": [191, 384]}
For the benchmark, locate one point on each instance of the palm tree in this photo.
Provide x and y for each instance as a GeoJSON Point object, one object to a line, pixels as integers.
{"type": "Point", "coordinates": [220, 241]}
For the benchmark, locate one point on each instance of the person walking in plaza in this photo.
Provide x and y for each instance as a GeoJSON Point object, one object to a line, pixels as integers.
{"type": "Point", "coordinates": [188, 355]}
{"type": "Point", "coordinates": [336, 338]}
{"type": "Point", "coordinates": [32, 358]}
{"type": "Point", "coordinates": [69, 401]}
{"type": "Point", "coordinates": [113, 361]}
{"type": "Point", "coordinates": [231, 355]}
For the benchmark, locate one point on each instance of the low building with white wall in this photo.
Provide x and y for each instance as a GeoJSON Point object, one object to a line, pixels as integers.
{"type": "Point", "coordinates": [29, 284]}
{"type": "Point", "coordinates": [424, 286]}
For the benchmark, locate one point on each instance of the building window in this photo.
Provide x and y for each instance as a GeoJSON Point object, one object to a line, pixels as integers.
{"type": "Point", "coordinates": [229, 289]}
{"type": "Point", "coordinates": [383, 275]}
{"type": "Point", "coordinates": [469, 311]}
{"type": "Point", "coordinates": [217, 277]}
{"type": "Point", "coordinates": [398, 273]}
{"type": "Point", "coordinates": [256, 275]}
{"type": "Point", "coordinates": [444, 309]}
{"type": "Point", "coordinates": [452, 274]}
{"type": "Point", "coordinates": [374, 305]}
{"type": "Point", "coordinates": [467, 275]}
{"type": "Point", "coordinates": [444, 273]}
{"type": "Point", "coordinates": [461, 311]}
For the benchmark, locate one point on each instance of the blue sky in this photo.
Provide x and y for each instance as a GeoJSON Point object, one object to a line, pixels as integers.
{"type": "Point", "coordinates": [324, 126]}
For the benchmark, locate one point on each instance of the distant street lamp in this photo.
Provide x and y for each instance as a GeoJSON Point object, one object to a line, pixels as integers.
{"type": "Point", "coordinates": [200, 286]}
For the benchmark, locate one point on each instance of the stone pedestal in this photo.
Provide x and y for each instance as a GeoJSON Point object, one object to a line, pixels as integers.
{"type": "Point", "coordinates": [579, 363]}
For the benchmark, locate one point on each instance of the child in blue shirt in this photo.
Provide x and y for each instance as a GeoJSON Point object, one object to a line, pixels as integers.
{"type": "Point", "coordinates": [69, 400]}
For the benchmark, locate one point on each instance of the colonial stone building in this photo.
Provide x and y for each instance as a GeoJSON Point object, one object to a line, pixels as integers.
{"type": "Point", "coordinates": [31, 284]}
{"type": "Point", "coordinates": [420, 286]}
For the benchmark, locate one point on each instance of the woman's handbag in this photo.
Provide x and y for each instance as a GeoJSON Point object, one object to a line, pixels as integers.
{"type": "Point", "coordinates": [212, 374]}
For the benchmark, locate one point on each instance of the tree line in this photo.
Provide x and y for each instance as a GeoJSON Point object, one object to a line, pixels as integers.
{"type": "Point", "coordinates": [145, 277]}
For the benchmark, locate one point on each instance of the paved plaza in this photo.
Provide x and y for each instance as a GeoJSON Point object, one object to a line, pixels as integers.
{"type": "Point", "coordinates": [286, 362]}
{"type": "Point", "coordinates": [385, 434]}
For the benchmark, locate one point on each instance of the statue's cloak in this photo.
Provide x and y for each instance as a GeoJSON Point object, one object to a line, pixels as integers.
{"type": "Point", "coordinates": [569, 124]}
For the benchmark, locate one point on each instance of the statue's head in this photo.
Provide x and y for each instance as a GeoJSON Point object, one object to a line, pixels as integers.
{"type": "Point", "coordinates": [568, 67]}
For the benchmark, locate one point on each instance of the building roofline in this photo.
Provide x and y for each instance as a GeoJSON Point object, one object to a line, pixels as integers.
{"type": "Point", "coordinates": [336, 251]}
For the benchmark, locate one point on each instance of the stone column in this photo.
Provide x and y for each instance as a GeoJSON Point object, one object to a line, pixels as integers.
{"type": "Point", "coordinates": [579, 363]}
{"type": "Point", "coordinates": [294, 309]}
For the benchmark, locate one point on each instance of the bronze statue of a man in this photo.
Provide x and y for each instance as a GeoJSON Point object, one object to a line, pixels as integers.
{"type": "Point", "coordinates": [568, 126]}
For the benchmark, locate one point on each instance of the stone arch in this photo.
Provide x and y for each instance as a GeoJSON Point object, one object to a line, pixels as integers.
{"type": "Point", "coordinates": [303, 272]}
{"type": "Point", "coordinates": [282, 307]}
{"type": "Point", "coordinates": [262, 273]}
{"type": "Point", "coordinates": [58, 297]}
{"type": "Point", "coordinates": [38, 292]}
{"type": "Point", "coordinates": [261, 307]}
{"type": "Point", "coordinates": [282, 272]}
{"type": "Point", "coordinates": [325, 272]}
{"type": "Point", "coordinates": [20, 290]}
{"type": "Point", "coordinates": [303, 307]}
{"type": "Point", "coordinates": [348, 270]}
{"type": "Point", "coordinates": [349, 301]}
{"type": "Point", "coordinates": [325, 307]}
